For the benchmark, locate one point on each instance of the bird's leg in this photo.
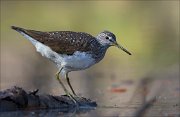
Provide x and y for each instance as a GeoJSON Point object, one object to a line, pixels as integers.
{"type": "Point", "coordinates": [64, 88]}
{"type": "Point", "coordinates": [68, 81]}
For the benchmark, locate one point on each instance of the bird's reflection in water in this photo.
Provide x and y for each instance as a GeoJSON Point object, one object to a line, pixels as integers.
{"type": "Point", "coordinates": [49, 112]}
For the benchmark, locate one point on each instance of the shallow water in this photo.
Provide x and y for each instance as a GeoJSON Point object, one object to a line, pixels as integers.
{"type": "Point", "coordinates": [126, 100]}
{"type": "Point", "coordinates": [91, 112]}
{"type": "Point", "coordinates": [119, 97]}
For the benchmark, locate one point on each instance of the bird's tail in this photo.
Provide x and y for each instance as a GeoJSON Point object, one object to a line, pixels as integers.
{"type": "Point", "coordinates": [18, 29]}
{"type": "Point", "coordinates": [24, 32]}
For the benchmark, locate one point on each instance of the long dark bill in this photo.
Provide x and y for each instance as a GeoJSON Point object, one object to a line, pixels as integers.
{"type": "Point", "coordinates": [119, 46]}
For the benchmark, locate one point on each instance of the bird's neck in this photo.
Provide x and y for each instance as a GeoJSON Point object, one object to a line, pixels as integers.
{"type": "Point", "coordinates": [100, 53]}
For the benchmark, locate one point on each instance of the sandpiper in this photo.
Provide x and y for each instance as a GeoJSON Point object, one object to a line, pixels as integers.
{"type": "Point", "coordinates": [70, 51]}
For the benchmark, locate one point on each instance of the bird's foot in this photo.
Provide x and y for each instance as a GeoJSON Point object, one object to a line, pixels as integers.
{"type": "Point", "coordinates": [80, 98]}
{"type": "Point", "coordinates": [73, 99]}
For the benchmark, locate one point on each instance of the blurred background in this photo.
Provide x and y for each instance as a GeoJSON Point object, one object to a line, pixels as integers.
{"type": "Point", "coordinates": [148, 29]}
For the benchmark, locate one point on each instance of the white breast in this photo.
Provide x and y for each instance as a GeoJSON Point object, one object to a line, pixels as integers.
{"type": "Point", "coordinates": [78, 61]}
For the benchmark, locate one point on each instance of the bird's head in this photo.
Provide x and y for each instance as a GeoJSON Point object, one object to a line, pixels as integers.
{"type": "Point", "coordinates": [107, 38]}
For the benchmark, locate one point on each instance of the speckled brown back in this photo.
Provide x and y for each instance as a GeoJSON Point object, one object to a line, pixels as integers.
{"type": "Point", "coordinates": [64, 42]}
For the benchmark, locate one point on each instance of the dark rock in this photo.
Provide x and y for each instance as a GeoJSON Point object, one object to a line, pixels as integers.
{"type": "Point", "coordinates": [16, 98]}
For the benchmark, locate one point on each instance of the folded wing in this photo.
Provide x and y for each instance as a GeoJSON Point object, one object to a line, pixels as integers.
{"type": "Point", "coordinates": [62, 42]}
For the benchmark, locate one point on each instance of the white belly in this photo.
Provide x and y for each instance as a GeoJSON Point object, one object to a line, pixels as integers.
{"type": "Point", "coordinates": [77, 61]}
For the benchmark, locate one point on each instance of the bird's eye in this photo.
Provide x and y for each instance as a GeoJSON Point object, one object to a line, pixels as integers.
{"type": "Point", "coordinates": [107, 37]}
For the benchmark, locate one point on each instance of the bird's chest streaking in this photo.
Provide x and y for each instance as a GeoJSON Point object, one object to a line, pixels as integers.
{"type": "Point", "coordinates": [77, 61]}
